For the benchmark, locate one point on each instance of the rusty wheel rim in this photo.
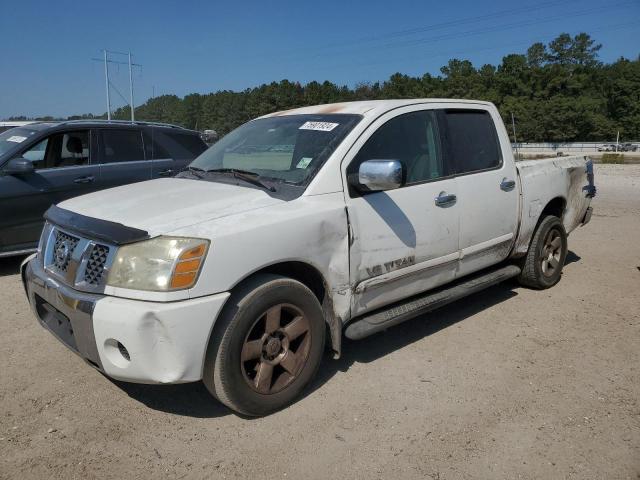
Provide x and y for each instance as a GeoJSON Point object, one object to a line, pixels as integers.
{"type": "Point", "coordinates": [551, 253]}
{"type": "Point", "coordinates": [276, 349]}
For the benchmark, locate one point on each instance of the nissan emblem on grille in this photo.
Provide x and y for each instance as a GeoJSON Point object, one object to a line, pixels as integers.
{"type": "Point", "coordinates": [63, 249]}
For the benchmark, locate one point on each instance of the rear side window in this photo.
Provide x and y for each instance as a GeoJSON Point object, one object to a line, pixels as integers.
{"type": "Point", "coordinates": [121, 146]}
{"type": "Point", "coordinates": [472, 140]}
{"type": "Point", "coordinates": [177, 145]}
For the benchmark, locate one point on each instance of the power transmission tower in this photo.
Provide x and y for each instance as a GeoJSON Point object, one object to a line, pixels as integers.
{"type": "Point", "coordinates": [108, 85]}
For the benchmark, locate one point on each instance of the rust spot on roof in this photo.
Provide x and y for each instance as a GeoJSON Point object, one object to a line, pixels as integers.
{"type": "Point", "coordinates": [335, 107]}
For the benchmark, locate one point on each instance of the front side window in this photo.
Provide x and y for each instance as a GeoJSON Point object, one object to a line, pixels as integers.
{"type": "Point", "coordinates": [36, 153]}
{"type": "Point", "coordinates": [411, 138]}
{"type": "Point", "coordinates": [121, 146]}
{"type": "Point", "coordinates": [472, 140]}
{"type": "Point", "coordinates": [289, 148]}
{"type": "Point", "coordinates": [69, 149]}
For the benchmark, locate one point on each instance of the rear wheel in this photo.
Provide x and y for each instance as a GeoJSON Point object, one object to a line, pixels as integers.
{"type": "Point", "coordinates": [542, 266]}
{"type": "Point", "coordinates": [266, 346]}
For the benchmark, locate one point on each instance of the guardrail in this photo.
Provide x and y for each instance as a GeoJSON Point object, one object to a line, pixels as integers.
{"type": "Point", "coordinates": [570, 147]}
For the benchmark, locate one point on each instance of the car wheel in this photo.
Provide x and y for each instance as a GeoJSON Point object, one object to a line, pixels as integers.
{"type": "Point", "coordinates": [542, 266]}
{"type": "Point", "coordinates": [266, 346]}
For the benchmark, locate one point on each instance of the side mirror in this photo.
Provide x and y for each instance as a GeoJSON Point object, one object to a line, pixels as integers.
{"type": "Point", "coordinates": [18, 166]}
{"type": "Point", "coordinates": [378, 175]}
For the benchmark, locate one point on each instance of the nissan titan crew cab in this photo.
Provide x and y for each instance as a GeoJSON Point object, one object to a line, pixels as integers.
{"type": "Point", "coordinates": [299, 227]}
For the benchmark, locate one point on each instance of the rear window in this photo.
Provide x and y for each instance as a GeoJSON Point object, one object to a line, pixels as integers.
{"type": "Point", "coordinates": [177, 145]}
{"type": "Point", "coordinates": [121, 146]}
{"type": "Point", "coordinates": [472, 140]}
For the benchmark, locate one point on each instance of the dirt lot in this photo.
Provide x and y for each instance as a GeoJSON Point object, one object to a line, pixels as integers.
{"type": "Point", "coordinates": [512, 383]}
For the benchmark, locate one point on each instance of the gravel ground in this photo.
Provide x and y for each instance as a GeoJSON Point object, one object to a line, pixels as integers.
{"type": "Point", "coordinates": [511, 383]}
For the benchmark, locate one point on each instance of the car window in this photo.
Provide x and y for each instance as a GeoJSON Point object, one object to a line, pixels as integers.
{"type": "Point", "coordinates": [288, 148]}
{"type": "Point", "coordinates": [69, 149]}
{"type": "Point", "coordinates": [121, 146]}
{"type": "Point", "coordinates": [177, 145]}
{"type": "Point", "coordinates": [413, 139]}
{"type": "Point", "coordinates": [472, 140]}
{"type": "Point", "coordinates": [36, 153]}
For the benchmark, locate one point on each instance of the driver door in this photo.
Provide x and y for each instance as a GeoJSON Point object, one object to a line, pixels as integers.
{"type": "Point", "coordinates": [404, 241]}
{"type": "Point", "coordinates": [63, 170]}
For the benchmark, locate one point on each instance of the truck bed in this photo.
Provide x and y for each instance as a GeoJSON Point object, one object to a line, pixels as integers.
{"type": "Point", "coordinates": [564, 179]}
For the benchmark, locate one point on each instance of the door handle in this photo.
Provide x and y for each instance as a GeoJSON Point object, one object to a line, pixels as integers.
{"type": "Point", "coordinates": [507, 185]}
{"type": "Point", "coordinates": [87, 179]}
{"type": "Point", "coordinates": [166, 173]}
{"type": "Point", "coordinates": [445, 199]}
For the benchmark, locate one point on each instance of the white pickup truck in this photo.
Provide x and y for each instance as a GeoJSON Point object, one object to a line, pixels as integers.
{"type": "Point", "coordinates": [297, 227]}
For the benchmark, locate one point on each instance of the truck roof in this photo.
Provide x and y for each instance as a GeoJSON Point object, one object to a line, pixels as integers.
{"type": "Point", "coordinates": [368, 108]}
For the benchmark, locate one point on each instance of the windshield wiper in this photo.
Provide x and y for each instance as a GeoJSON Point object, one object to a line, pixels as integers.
{"type": "Point", "coordinates": [195, 171]}
{"type": "Point", "coordinates": [246, 175]}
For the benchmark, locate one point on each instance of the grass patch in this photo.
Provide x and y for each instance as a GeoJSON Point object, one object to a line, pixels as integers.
{"type": "Point", "coordinates": [612, 158]}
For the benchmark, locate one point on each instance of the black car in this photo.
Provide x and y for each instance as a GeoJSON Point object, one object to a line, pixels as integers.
{"type": "Point", "coordinates": [45, 163]}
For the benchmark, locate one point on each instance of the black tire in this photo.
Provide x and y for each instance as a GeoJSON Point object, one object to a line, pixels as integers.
{"type": "Point", "coordinates": [228, 374]}
{"type": "Point", "coordinates": [542, 266]}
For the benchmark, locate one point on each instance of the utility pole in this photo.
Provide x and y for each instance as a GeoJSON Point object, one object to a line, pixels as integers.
{"type": "Point", "coordinates": [131, 90]}
{"type": "Point", "coordinates": [106, 83]}
{"type": "Point", "coordinates": [109, 85]}
{"type": "Point", "coordinates": [617, 140]}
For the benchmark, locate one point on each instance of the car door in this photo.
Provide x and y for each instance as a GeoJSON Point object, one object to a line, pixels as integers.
{"type": "Point", "coordinates": [171, 150]}
{"type": "Point", "coordinates": [63, 169]}
{"type": "Point", "coordinates": [122, 157]}
{"type": "Point", "coordinates": [404, 241]}
{"type": "Point", "coordinates": [488, 196]}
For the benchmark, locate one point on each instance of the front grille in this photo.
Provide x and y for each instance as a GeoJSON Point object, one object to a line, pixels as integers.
{"type": "Point", "coordinates": [96, 264]}
{"type": "Point", "coordinates": [63, 248]}
{"type": "Point", "coordinates": [79, 262]}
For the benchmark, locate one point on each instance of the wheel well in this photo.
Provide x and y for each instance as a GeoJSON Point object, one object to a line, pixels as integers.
{"type": "Point", "coordinates": [554, 207]}
{"type": "Point", "coordinates": [313, 279]}
{"type": "Point", "coordinates": [302, 272]}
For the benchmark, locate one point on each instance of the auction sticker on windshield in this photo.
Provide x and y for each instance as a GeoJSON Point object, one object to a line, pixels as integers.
{"type": "Point", "coordinates": [321, 126]}
{"type": "Point", "coordinates": [16, 139]}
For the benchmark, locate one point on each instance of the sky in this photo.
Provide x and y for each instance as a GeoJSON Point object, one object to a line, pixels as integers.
{"type": "Point", "coordinates": [48, 47]}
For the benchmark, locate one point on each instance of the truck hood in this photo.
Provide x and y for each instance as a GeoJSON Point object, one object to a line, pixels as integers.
{"type": "Point", "coordinates": [164, 205]}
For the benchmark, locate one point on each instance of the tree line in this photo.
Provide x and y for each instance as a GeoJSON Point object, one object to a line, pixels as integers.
{"type": "Point", "coordinates": [557, 92]}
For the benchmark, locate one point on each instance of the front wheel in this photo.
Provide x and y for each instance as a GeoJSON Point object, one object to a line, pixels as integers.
{"type": "Point", "coordinates": [542, 266]}
{"type": "Point", "coordinates": [266, 346]}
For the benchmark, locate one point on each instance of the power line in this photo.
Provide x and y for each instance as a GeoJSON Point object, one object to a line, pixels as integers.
{"type": "Point", "coordinates": [304, 52]}
{"type": "Point", "coordinates": [492, 29]}
{"type": "Point", "coordinates": [618, 26]}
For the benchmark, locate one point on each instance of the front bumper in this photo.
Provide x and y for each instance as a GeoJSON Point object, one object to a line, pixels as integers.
{"type": "Point", "coordinates": [130, 340]}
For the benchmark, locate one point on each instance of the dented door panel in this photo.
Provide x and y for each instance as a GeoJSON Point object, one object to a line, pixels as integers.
{"type": "Point", "coordinates": [403, 243]}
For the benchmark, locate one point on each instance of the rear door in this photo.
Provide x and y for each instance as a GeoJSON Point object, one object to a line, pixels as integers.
{"type": "Point", "coordinates": [122, 157]}
{"type": "Point", "coordinates": [171, 150]}
{"type": "Point", "coordinates": [63, 170]}
{"type": "Point", "coordinates": [405, 241]}
{"type": "Point", "coordinates": [488, 196]}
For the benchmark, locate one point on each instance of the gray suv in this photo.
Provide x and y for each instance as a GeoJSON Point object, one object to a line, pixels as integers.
{"type": "Point", "coordinates": [45, 163]}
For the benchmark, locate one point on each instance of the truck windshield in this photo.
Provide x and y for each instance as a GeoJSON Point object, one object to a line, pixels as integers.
{"type": "Point", "coordinates": [14, 137]}
{"type": "Point", "coordinates": [289, 148]}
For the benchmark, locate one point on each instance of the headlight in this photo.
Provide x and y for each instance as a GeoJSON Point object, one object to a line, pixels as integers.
{"type": "Point", "coordinates": [160, 264]}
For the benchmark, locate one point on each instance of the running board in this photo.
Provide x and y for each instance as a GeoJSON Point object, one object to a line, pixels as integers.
{"type": "Point", "coordinates": [402, 311]}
